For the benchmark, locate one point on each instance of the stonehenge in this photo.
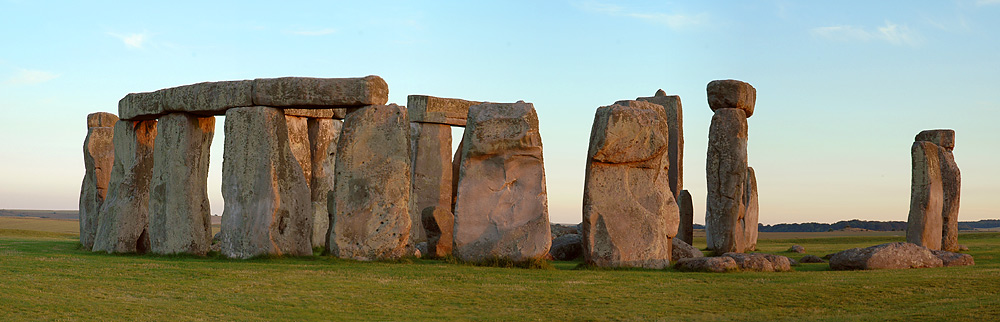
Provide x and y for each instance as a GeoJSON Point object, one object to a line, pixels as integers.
{"type": "Point", "coordinates": [726, 226]}
{"type": "Point", "coordinates": [123, 220]}
{"type": "Point", "coordinates": [98, 158]}
{"type": "Point", "coordinates": [934, 191]}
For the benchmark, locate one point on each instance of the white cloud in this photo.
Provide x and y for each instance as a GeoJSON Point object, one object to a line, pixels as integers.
{"type": "Point", "coordinates": [890, 32]}
{"type": "Point", "coordinates": [674, 21]}
{"type": "Point", "coordinates": [30, 77]}
{"type": "Point", "coordinates": [318, 32]}
{"type": "Point", "coordinates": [133, 40]}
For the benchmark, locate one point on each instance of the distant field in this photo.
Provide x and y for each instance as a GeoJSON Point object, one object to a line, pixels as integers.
{"type": "Point", "coordinates": [52, 214]}
{"type": "Point", "coordinates": [40, 224]}
{"type": "Point", "coordinates": [44, 276]}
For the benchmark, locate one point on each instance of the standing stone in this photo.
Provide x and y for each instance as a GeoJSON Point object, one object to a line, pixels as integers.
{"type": "Point", "coordinates": [324, 133]}
{"type": "Point", "coordinates": [629, 212]}
{"type": "Point", "coordinates": [726, 177]}
{"type": "Point", "coordinates": [298, 140]}
{"type": "Point", "coordinates": [98, 158]}
{"type": "Point", "coordinates": [731, 93]}
{"type": "Point", "coordinates": [675, 142]}
{"type": "Point", "coordinates": [267, 208]}
{"type": "Point", "coordinates": [179, 212]}
{"type": "Point", "coordinates": [926, 197]}
{"type": "Point", "coordinates": [685, 231]}
{"type": "Point", "coordinates": [370, 203]}
{"type": "Point", "coordinates": [501, 209]}
{"type": "Point", "coordinates": [432, 173]}
{"type": "Point", "coordinates": [750, 216]}
{"type": "Point", "coordinates": [951, 184]}
{"type": "Point", "coordinates": [124, 221]}
{"type": "Point", "coordinates": [438, 222]}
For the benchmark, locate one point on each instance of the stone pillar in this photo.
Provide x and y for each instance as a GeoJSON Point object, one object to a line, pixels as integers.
{"type": "Point", "coordinates": [370, 203]}
{"type": "Point", "coordinates": [438, 223]}
{"type": "Point", "coordinates": [685, 230]}
{"type": "Point", "coordinates": [733, 102]}
{"type": "Point", "coordinates": [750, 216]}
{"type": "Point", "coordinates": [675, 143]}
{"type": "Point", "coordinates": [267, 210]}
{"type": "Point", "coordinates": [324, 133]}
{"type": "Point", "coordinates": [98, 158]}
{"type": "Point", "coordinates": [179, 212]}
{"type": "Point", "coordinates": [124, 222]}
{"type": "Point", "coordinates": [936, 183]}
{"type": "Point", "coordinates": [432, 173]}
{"type": "Point", "coordinates": [298, 141]}
{"type": "Point", "coordinates": [951, 185]}
{"type": "Point", "coordinates": [629, 211]}
{"type": "Point", "coordinates": [501, 210]}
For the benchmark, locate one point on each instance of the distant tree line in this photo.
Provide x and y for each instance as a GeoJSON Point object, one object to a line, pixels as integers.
{"type": "Point", "coordinates": [863, 224]}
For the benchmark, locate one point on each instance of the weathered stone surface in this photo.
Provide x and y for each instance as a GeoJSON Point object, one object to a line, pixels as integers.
{"type": "Point", "coordinates": [141, 106]}
{"type": "Point", "coordinates": [566, 247]}
{"type": "Point", "coordinates": [431, 172]}
{"type": "Point", "coordinates": [754, 262]}
{"type": "Point", "coordinates": [797, 249]}
{"type": "Point", "coordinates": [675, 140]}
{"type": "Point", "coordinates": [439, 224]}
{"type": "Point", "coordinates": [298, 141]}
{"type": "Point", "coordinates": [944, 138]}
{"type": "Point", "coordinates": [98, 158]}
{"type": "Point", "coordinates": [324, 113]}
{"type": "Point", "coordinates": [124, 219]}
{"type": "Point", "coordinates": [726, 169]}
{"type": "Point", "coordinates": [101, 119]}
{"type": "Point", "coordinates": [267, 210]}
{"type": "Point", "coordinates": [780, 263]}
{"type": "Point", "coordinates": [680, 249]}
{"type": "Point", "coordinates": [885, 256]}
{"type": "Point", "coordinates": [323, 137]}
{"type": "Point", "coordinates": [954, 259]}
{"type": "Point", "coordinates": [179, 212]}
{"type": "Point", "coordinates": [629, 212]}
{"type": "Point", "coordinates": [430, 109]}
{"type": "Point", "coordinates": [306, 92]}
{"type": "Point", "coordinates": [208, 98]}
{"type": "Point", "coordinates": [721, 264]}
{"type": "Point", "coordinates": [951, 186]}
{"type": "Point", "coordinates": [811, 259]}
{"type": "Point", "coordinates": [501, 210]}
{"type": "Point", "coordinates": [558, 230]}
{"type": "Point", "coordinates": [731, 93]}
{"type": "Point", "coordinates": [750, 216]}
{"type": "Point", "coordinates": [370, 204]}
{"type": "Point", "coordinates": [456, 164]}
{"type": "Point", "coordinates": [685, 229]}
{"type": "Point", "coordinates": [926, 197]}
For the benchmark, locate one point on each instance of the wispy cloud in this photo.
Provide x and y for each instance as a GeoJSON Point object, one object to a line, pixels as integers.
{"type": "Point", "coordinates": [133, 40]}
{"type": "Point", "coordinates": [890, 32]}
{"type": "Point", "coordinates": [672, 20]}
{"type": "Point", "coordinates": [316, 32]}
{"type": "Point", "coordinates": [30, 77]}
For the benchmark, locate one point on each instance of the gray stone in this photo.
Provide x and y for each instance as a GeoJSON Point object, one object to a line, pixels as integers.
{"type": "Point", "coordinates": [141, 106]}
{"type": "Point", "coordinates": [566, 247]}
{"type": "Point", "coordinates": [439, 224]}
{"type": "Point", "coordinates": [944, 138]}
{"type": "Point", "coordinates": [953, 259]}
{"type": "Point", "coordinates": [501, 209]}
{"type": "Point", "coordinates": [629, 212]}
{"type": "Point", "coordinates": [731, 93]}
{"type": "Point", "coordinates": [780, 263]}
{"type": "Point", "coordinates": [307, 92]}
{"type": "Point", "coordinates": [208, 98]}
{"type": "Point", "coordinates": [750, 216]}
{"type": "Point", "coordinates": [298, 141]}
{"type": "Point", "coordinates": [685, 230]}
{"type": "Point", "coordinates": [179, 212]}
{"type": "Point", "coordinates": [885, 256]}
{"type": "Point", "coordinates": [98, 159]}
{"type": "Point", "coordinates": [370, 203]}
{"type": "Point", "coordinates": [726, 176]}
{"type": "Point", "coordinates": [124, 220]}
{"type": "Point", "coordinates": [323, 137]}
{"type": "Point", "coordinates": [430, 109]}
{"type": "Point", "coordinates": [558, 230]}
{"type": "Point", "coordinates": [754, 262]}
{"type": "Point", "coordinates": [675, 146]}
{"type": "Point", "coordinates": [680, 249]}
{"type": "Point", "coordinates": [721, 264]}
{"type": "Point", "coordinates": [432, 172]}
{"type": "Point", "coordinates": [456, 163]}
{"type": "Point", "coordinates": [951, 187]}
{"type": "Point", "coordinates": [324, 113]}
{"type": "Point", "coordinates": [797, 249]}
{"type": "Point", "coordinates": [267, 208]}
{"type": "Point", "coordinates": [811, 259]}
{"type": "Point", "coordinates": [924, 223]}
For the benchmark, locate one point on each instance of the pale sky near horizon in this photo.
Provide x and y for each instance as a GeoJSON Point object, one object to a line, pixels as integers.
{"type": "Point", "coordinates": [842, 87]}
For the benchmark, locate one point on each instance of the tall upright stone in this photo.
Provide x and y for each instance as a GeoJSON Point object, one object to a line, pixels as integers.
{"type": "Point", "coordinates": [924, 226]}
{"type": "Point", "coordinates": [98, 158]}
{"type": "Point", "coordinates": [324, 133]}
{"type": "Point", "coordinates": [951, 186]}
{"type": "Point", "coordinates": [726, 166]}
{"type": "Point", "coordinates": [685, 230]}
{"type": "Point", "coordinates": [370, 203]}
{"type": "Point", "coordinates": [298, 141]}
{"type": "Point", "coordinates": [750, 217]}
{"type": "Point", "coordinates": [629, 211]}
{"type": "Point", "coordinates": [124, 216]}
{"type": "Point", "coordinates": [501, 209]}
{"type": "Point", "coordinates": [179, 211]}
{"type": "Point", "coordinates": [675, 143]}
{"type": "Point", "coordinates": [267, 205]}
{"type": "Point", "coordinates": [432, 173]}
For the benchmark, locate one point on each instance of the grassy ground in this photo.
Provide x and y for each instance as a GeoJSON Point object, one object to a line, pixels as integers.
{"type": "Point", "coordinates": [44, 276]}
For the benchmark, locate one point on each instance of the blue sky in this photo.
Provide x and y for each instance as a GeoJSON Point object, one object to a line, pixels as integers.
{"type": "Point", "coordinates": [842, 87]}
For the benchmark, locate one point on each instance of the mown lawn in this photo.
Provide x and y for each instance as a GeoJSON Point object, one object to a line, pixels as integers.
{"type": "Point", "coordinates": [44, 276]}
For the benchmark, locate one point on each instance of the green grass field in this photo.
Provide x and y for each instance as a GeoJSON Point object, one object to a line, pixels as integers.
{"type": "Point", "coordinates": [44, 276]}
